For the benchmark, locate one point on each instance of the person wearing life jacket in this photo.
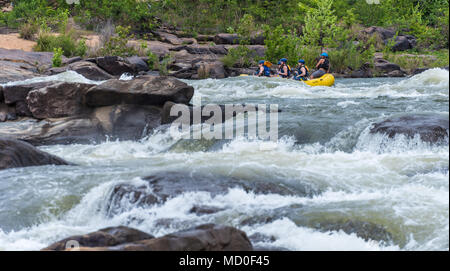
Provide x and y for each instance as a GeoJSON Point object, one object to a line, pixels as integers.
{"type": "Point", "coordinates": [285, 70]}
{"type": "Point", "coordinates": [263, 70]}
{"type": "Point", "coordinates": [302, 71]}
{"type": "Point", "coordinates": [323, 66]}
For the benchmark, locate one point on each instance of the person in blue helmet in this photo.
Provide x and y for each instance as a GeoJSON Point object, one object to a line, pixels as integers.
{"type": "Point", "coordinates": [302, 71]}
{"type": "Point", "coordinates": [323, 66]}
{"type": "Point", "coordinates": [263, 70]}
{"type": "Point", "coordinates": [285, 70]}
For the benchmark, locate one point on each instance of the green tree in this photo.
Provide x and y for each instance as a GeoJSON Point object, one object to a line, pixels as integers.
{"type": "Point", "coordinates": [321, 26]}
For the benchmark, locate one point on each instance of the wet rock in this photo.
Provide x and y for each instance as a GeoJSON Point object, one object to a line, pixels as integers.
{"type": "Point", "coordinates": [431, 128]}
{"type": "Point", "coordinates": [112, 236]}
{"type": "Point", "coordinates": [90, 71]}
{"type": "Point", "coordinates": [145, 90]}
{"type": "Point", "coordinates": [2, 98]}
{"type": "Point", "coordinates": [418, 71]}
{"type": "Point", "coordinates": [7, 113]}
{"type": "Point", "coordinates": [16, 95]}
{"type": "Point", "coordinates": [365, 230]}
{"type": "Point", "coordinates": [171, 184]}
{"type": "Point", "coordinates": [58, 100]}
{"type": "Point", "coordinates": [205, 210]}
{"type": "Point", "coordinates": [114, 65]}
{"type": "Point", "coordinates": [202, 49]}
{"type": "Point", "coordinates": [15, 153]}
{"type": "Point", "coordinates": [208, 237]}
{"type": "Point", "coordinates": [19, 93]}
{"type": "Point", "coordinates": [127, 122]}
{"type": "Point", "coordinates": [233, 72]}
{"type": "Point", "coordinates": [54, 131]}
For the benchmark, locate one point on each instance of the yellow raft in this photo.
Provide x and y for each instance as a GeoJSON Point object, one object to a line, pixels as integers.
{"type": "Point", "coordinates": [326, 80]}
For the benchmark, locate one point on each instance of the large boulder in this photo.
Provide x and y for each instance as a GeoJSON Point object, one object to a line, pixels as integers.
{"type": "Point", "coordinates": [431, 128]}
{"type": "Point", "coordinates": [224, 38]}
{"type": "Point", "coordinates": [127, 122]}
{"type": "Point", "coordinates": [12, 71]}
{"type": "Point", "coordinates": [15, 153]}
{"type": "Point", "coordinates": [35, 59]}
{"type": "Point", "coordinates": [137, 64]}
{"type": "Point", "coordinates": [90, 71]}
{"type": "Point", "coordinates": [403, 43]}
{"type": "Point", "coordinates": [215, 70]}
{"type": "Point", "coordinates": [385, 66]}
{"type": "Point", "coordinates": [54, 131]}
{"type": "Point", "coordinates": [16, 95]}
{"type": "Point", "coordinates": [114, 65]}
{"type": "Point", "coordinates": [384, 33]}
{"type": "Point", "coordinates": [166, 185]}
{"type": "Point", "coordinates": [112, 236]}
{"type": "Point", "coordinates": [58, 100]}
{"type": "Point", "coordinates": [207, 237]}
{"type": "Point", "coordinates": [145, 90]}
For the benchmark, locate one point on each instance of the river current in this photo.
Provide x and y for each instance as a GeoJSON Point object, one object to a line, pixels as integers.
{"type": "Point", "coordinates": [399, 186]}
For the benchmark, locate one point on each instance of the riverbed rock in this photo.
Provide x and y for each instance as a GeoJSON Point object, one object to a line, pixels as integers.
{"type": "Point", "coordinates": [69, 130]}
{"type": "Point", "coordinates": [15, 153]}
{"type": "Point", "coordinates": [167, 185]}
{"type": "Point", "coordinates": [383, 65]}
{"type": "Point", "coordinates": [112, 236]}
{"type": "Point", "coordinates": [225, 38]}
{"type": "Point", "coordinates": [16, 95]}
{"type": "Point", "coordinates": [114, 65]}
{"type": "Point", "coordinates": [34, 59]}
{"type": "Point", "coordinates": [137, 64]}
{"type": "Point", "coordinates": [90, 71]}
{"type": "Point", "coordinates": [12, 71]}
{"type": "Point", "coordinates": [431, 128]}
{"type": "Point", "coordinates": [168, 37]}
{"type": "Point", "coordinates": [145, 90]}
{"type": "Point", "coordinates": [215, 70]}
{"type": "Point", "coordinates": [365, 230]}
{"type": "Point", "coordinates": [127, 122]}
{"type": "Point", "coordinates": [207, 237]}
{"type": "Point", "coordinates": [58, 100]}
{"type": "Point", "coordinates": [7, 112]}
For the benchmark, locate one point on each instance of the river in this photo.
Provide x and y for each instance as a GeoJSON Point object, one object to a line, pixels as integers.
{"type": "Point", "coordinates": [397, 188]}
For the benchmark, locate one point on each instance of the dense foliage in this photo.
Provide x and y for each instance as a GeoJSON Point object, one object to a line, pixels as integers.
{"type": "Point", "coordinates": [293, 28]}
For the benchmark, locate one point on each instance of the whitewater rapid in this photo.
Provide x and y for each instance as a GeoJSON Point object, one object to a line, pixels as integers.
{"type": "Point", "coordinates": [325, 151]}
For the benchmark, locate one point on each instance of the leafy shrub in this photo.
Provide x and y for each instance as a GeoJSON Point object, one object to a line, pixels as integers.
{"type": "Point", "coordinates": [28, 30]}
{"type": "Point", "coordinates": [279, 45]}
{"type": "Point", "coordinates": [47, 42]}
{"type": "Point", "coordinates": [241, 56]}
{"type": "Point", "coordinates": [153, 60]}
{"type": "Point", "coordinates": [57, 57]}
{"type": "Point", "coordinates": [116, 45]}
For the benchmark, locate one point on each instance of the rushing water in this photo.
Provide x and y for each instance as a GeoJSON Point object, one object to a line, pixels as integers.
{"type": "Point", "coordinates": [399, 184]}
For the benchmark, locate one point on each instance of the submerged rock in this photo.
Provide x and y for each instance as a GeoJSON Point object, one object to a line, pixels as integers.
{"type": "Point", "coordinates": [430, 127]}
{"type": "Point", "coordinates": [112, 236]}
{"type": "Point", "coordinates": [145, 90]}
{"type": "Point", "coordinates": [15, 153]}
{"type": "Point", "coordinates": [168, 185]}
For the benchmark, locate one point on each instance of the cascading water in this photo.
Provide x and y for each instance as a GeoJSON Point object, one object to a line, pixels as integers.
{"type": "Point", "coordinates": [338, 172]}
